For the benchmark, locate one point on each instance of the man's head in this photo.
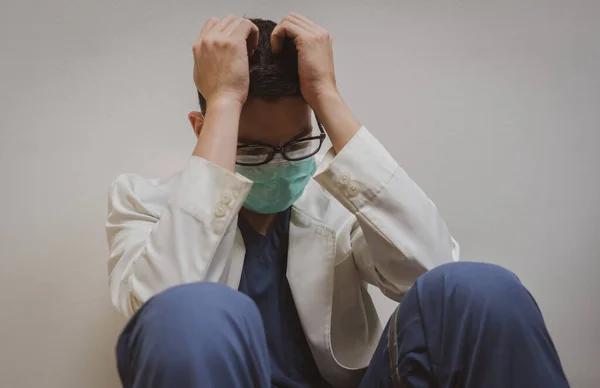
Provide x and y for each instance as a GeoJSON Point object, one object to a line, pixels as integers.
{"type": "Point", "coordinates": [275, 111]}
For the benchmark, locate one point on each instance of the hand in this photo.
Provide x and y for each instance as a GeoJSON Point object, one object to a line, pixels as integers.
{"type": "Point", "coordinates": [221, 58]}
{"type": "Point", "coordinates": [315, 55]}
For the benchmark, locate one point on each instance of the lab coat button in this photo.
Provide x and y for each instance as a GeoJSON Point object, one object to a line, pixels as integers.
{"type": "Point", "coordinates": [352, 189]}
{"type": "Point", "coordinates": [343, 179]}
{"type": "Point", "coordinates": [226, 197]}
{"type": "Point", "coordinates": [220, 211]}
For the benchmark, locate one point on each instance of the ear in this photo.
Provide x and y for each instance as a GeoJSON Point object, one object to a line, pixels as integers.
{"type": "Point", "coordinates": [197, 121]}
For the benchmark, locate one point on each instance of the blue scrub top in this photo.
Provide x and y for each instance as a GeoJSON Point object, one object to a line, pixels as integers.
{"type": "Point", "coordinates": [264, 281]}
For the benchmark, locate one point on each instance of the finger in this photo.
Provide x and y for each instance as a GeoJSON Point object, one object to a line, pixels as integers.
{"type": "Point", "coordinates": [252, 38]}
{"type": "Point", "coordinates": [210, 23]}
{"type": "Point", "coordinates": [249, 32]}
{"type": "Point", "coordinates": [307, 23]}
{"type": "Point", "coordinates": [283, 29]}
{"type": "Point", "coordinates": [224, 23]}
{"type": "Point", "coordinates": [232, 27]}
{"type": "Point", "coordinates": [302, 20]}
{"type": "Point", "coordinates": [307, 26]}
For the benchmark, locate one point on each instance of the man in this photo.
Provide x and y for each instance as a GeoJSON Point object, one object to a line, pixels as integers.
{"type": "Point", "coordinates": [242, 271]}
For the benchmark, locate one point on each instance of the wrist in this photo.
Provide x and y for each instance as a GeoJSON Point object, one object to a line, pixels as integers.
{"type": "Point", "coordinates": [218, 136]}
{"type": "Point", "coordinates": [337, 119]}
{"type": "Point", "coordinates": [224, 103]}
{"type": "Point", "coordinates": [323, 102]}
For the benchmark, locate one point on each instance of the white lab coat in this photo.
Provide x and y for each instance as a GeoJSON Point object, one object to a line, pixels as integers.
{"type": "Point", "coordinates": [361, 220]}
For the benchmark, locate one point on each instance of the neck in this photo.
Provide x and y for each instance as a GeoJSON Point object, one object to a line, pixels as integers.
{"type": "Point", "coordinates": [261, 223]}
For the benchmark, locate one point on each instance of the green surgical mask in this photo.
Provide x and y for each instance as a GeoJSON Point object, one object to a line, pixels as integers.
{"type": "Point", "coordinates": [276, 186]}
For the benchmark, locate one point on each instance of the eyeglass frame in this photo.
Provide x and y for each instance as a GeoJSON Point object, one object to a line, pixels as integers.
{"type": "Point", "coordinates": [279, 150]}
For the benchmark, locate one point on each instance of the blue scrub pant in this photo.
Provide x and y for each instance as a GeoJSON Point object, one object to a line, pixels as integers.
{"type": "Point", "coordinates": [461, 325]}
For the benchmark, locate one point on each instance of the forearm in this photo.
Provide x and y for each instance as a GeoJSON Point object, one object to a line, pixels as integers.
{"type": "Point", "coordinates": [157, 242]}
{"type": "Point", "coordinates": [218, 138]}
{"type": "Point", "coordinates": [337, 119]}
{"type": "Point", "coordinates": [399, 232]}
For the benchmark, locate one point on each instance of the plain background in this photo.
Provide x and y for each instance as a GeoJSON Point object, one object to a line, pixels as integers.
{"type": "Point", "coordinates": [493, 107]}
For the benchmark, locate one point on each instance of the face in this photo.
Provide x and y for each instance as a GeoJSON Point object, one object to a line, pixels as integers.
{"type": "Point", "coordinates": [269, 122]}
{"type": "Point", "coordinates": [274, 122]}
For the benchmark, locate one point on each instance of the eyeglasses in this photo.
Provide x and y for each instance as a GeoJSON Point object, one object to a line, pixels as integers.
{"type": "Point", "coordinates": [294, 150]}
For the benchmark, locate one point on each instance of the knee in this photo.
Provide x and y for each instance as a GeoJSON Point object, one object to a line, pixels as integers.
{"type": "Point", "coordinates": [478, 285]}
{"type": "Point", "coordinates": [199, 307]}
{"type": "Point", "coordinates": [191, 318]}
{"type": "Point", "coordinates": [474, 275]}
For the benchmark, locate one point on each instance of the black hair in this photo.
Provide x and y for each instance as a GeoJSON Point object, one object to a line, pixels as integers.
{"type": "Point", "coordinates": [271, 76]}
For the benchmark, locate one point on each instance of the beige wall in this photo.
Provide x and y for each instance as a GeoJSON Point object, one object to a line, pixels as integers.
{"type": "Point", "coordinates": [491, 106]}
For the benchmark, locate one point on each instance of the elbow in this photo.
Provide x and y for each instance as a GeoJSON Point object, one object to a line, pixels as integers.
{"type": "Point", "coordinates": [446, 251]}
{"type": "Point", "coordinates": [455, 250]}
{"type": "Point", "coordinates": [438, 248]}
{"type": "Point", "coordinates": [123, 298]}
{"type": "Point", "coordinates": [395, 290]}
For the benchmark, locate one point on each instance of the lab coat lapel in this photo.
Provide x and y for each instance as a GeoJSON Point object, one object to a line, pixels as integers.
{"type": "Point", "coordinates": [311, 254]}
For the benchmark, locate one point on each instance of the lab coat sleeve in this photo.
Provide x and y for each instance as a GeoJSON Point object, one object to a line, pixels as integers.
{"type": "Point", "coordinates": [398, 233]}
{"type": "Point", "coordinates": [150, 252]}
